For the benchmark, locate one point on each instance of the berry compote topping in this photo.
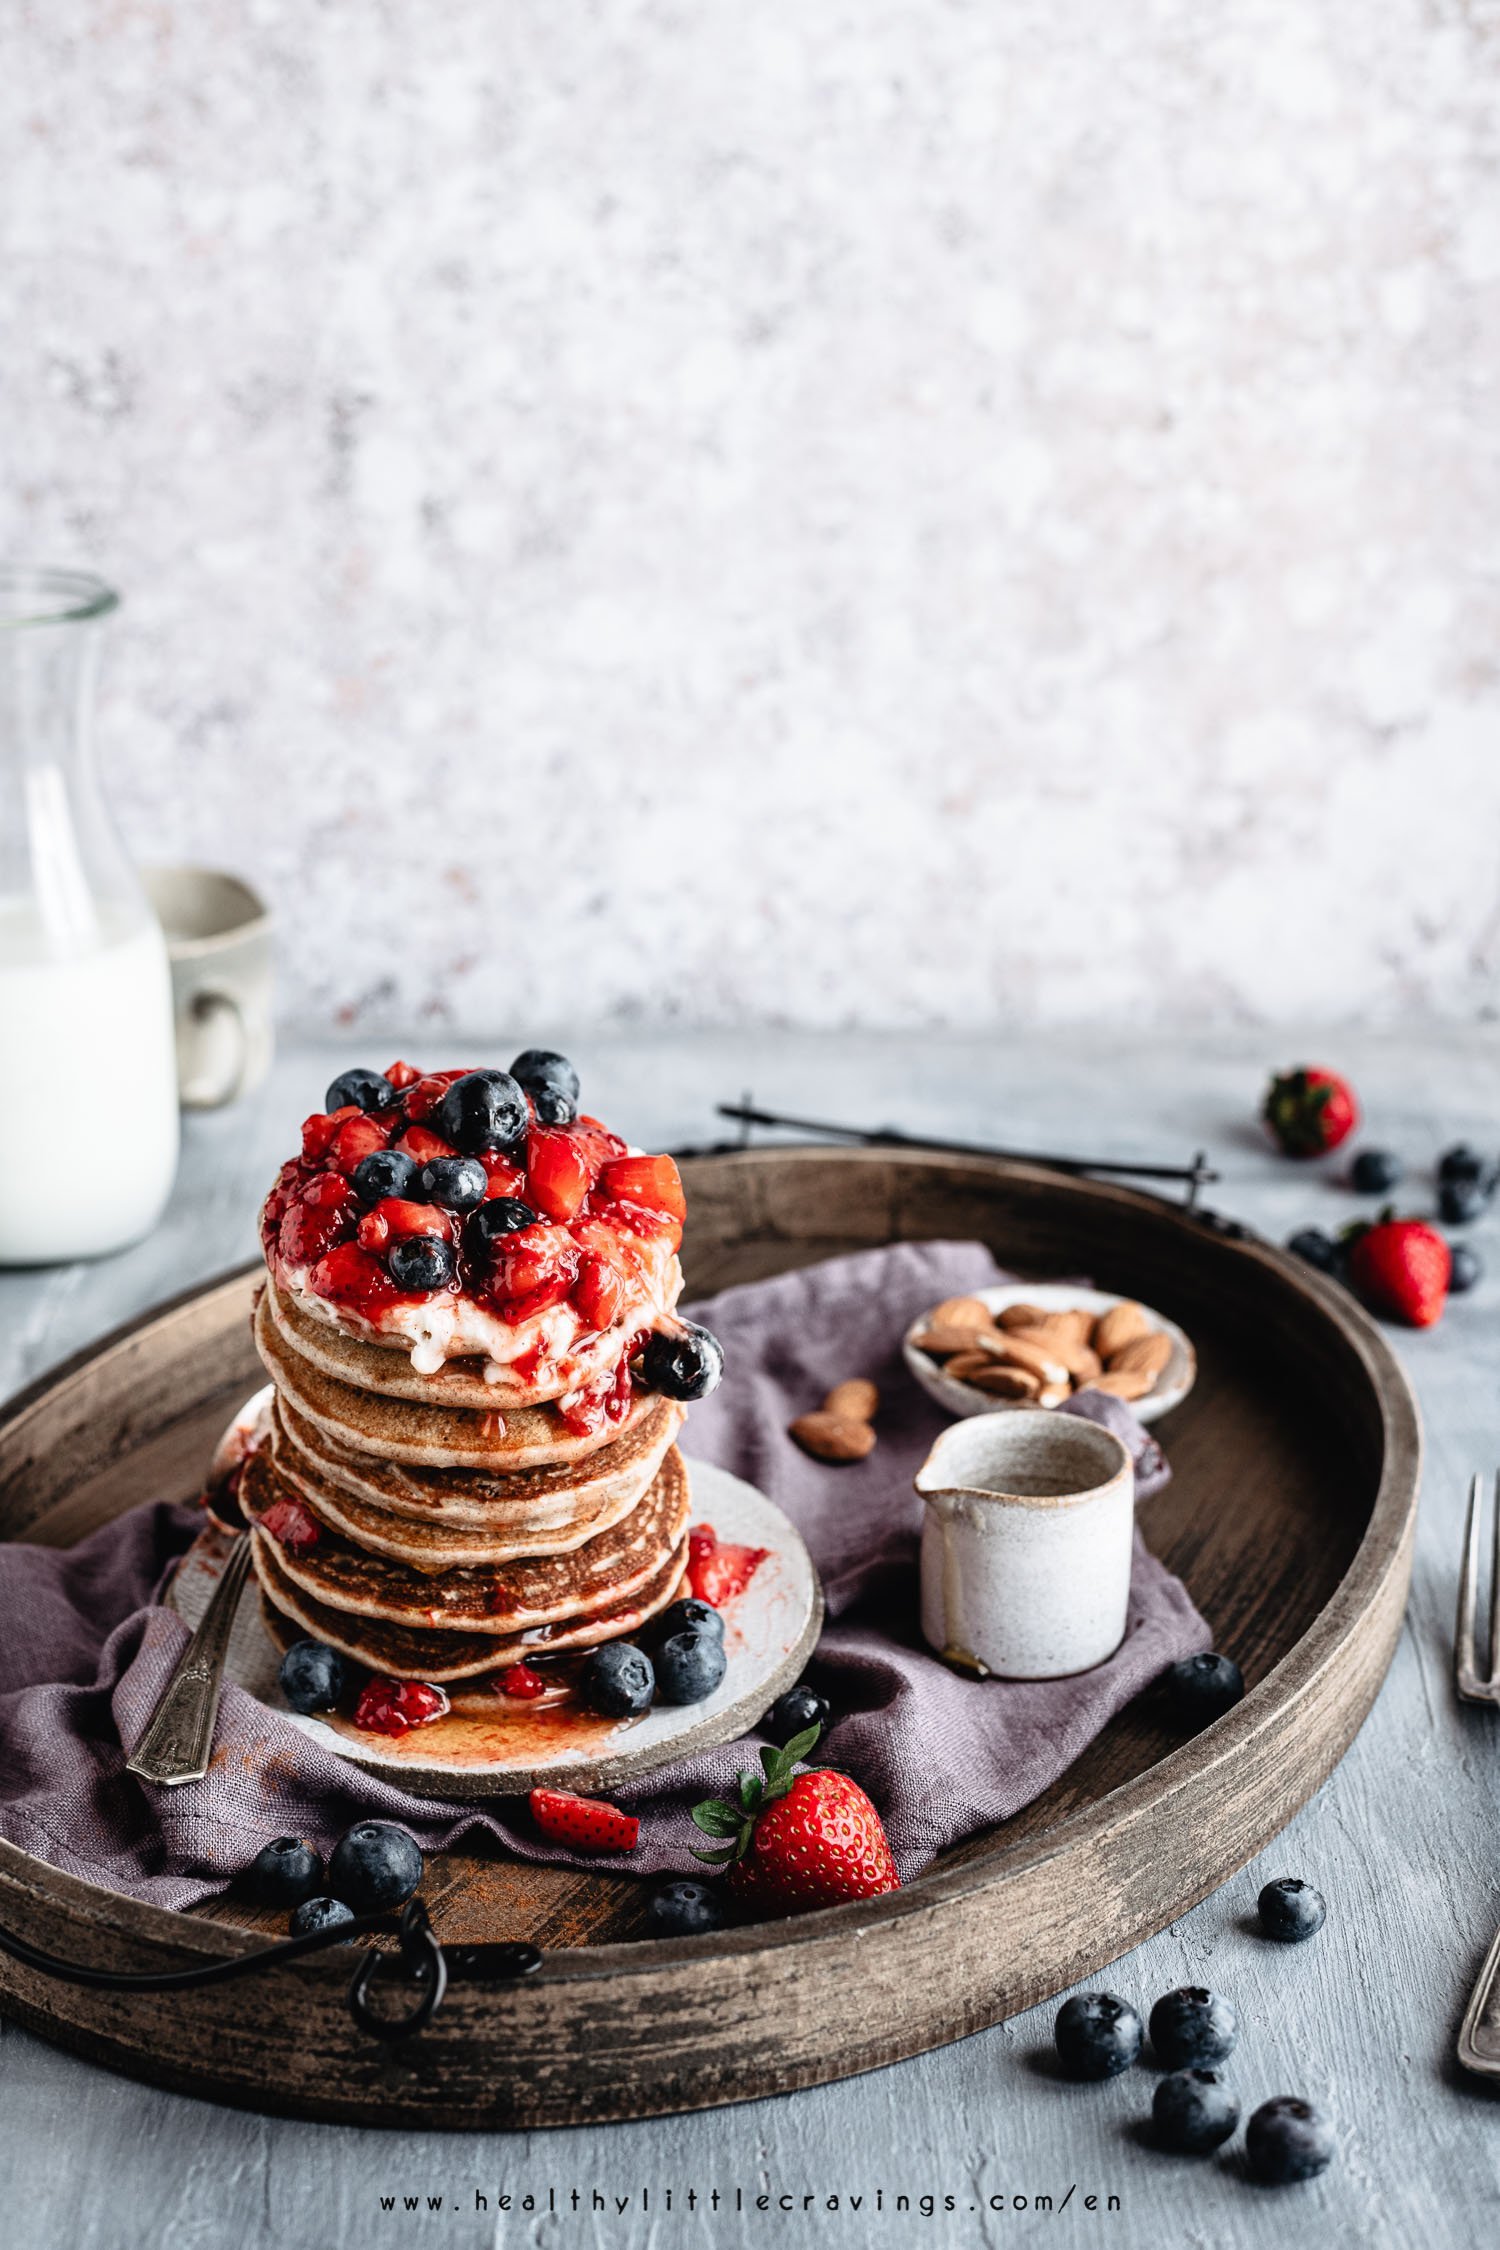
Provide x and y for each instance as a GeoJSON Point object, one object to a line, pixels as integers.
{"type": "Point", "coordinates": [396, 1706]}
{"type": "Point", "coordinates": [384, 1211]}
{"type": "Point", "coordinates": [520, 1681]}
{"type": "Point", "coordinates": [291, 1525]}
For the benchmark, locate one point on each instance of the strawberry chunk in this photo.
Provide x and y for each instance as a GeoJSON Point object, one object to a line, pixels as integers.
{"type": "Point", "coordinates": [394, 1217]}
{"type": "Point", "coordinates": [319, 1217]}
{"type": "Point", "coordinates": [360, 1137]}
{"type": "Point", "coordinates": [601, 1144]}
{"type": "Point", "coordinates": [422, 1145]}
{"type": "Point", "coordinates": [401, 1075]}
{"type": "Point", "coordinates": [587, 1823]}
{"type": "Point", "coordinates": [505, 1178]}
{"type": "Point", "coordinates": [558, 1172]}
{"type": "Point", "coordinates": [530, 1270]}
{"type": "Point", "coordinates": [717, 1570]}
{"type": "Point", "coordinates": [520, 1681]}
{"type": "Point", "coordinates": [650, 1181]}
{"type": "Point", "coordinates": [292, 1526]}
{"type": "Point", "coordinates": [424, 1095]}
{"type": "Point", "coordinates": [599, 1292]}
{"type": "Point", "coordinates": [351, 1276]}
{"type": "Point", "coordinates": [396, 1706]}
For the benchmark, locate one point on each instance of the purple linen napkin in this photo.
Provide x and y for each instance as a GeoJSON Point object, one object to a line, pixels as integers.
{"type": "Point", "coordinates": [85, 1653]}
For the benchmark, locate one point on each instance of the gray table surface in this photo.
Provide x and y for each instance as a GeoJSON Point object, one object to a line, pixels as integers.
{"type": "Point", "coordinates": [1401, 1839]}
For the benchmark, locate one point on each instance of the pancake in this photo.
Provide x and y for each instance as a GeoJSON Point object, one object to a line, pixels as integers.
{"type": "Point", "coordinates": [431, 1437]}
{"type": "Point", "coordinates": [428, 1544]}
{"type": "Point", "coordinates": [500, 1601]}
{"type": "Point", "coordinates": [386, 1369]}
{"type": "Point", "coordinates": [404, 1654]}
{"type": "Point", "coordinates": [476, 1500]}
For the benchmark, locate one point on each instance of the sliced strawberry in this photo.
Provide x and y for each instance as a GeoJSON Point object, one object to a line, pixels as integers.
{"type": "Point", "coordinates": [360, 1137]}
{"type": "Point", "coordinates": [395, 1216]}
{"type": "Point", "coordinates": [587, 1823]}
{"type": "Point", "coordinates": [401, 1075]}
{"type": "Point", "coordinates": [320, 1216]}
{"type": "Point", "coordinates": [650, 1181]}
{"type": "Point", "coordinates": [396, 1706]}
{"type": "Point", "coordinates": [558, 1172]}
{"type": "Point", "coordinates": [292, 1526]}
{"type": "Point", "coordinates": [717, 1570]}
{"type": "Point", "coordinates": [1402, 1269]}
{"type": "Point", "coordinates": [599, 1292]}
{"type": "Point", "coordinates": [531, 1270]}
{"type": "Point", "coordinates": [424, 1095]}
{"type": "Point", "coordinates": [520, 1681]}
{"type": "Point", "coordinates": [355, 1278]}
{"type": "Point", "coordinates": [505, 1178]}
{"type": "Point", "coordinates": [318, 1131]}
{"type": "Point", "coordinates": [602, 1145]}
{"type": "Point", "coordinates": [422, 1145]}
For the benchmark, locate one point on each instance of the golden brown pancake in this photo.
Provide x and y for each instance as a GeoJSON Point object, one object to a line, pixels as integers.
{"type": "Point", "coordinates": [430, 1437]}
{"type": "Point", "coordinates": [406, 1654]}
{"type": "Point", "coordinates": [500, 1600]}
{"type": "Point", "coordinates": [476, 1500]}
{"type": "Point", "coordinates": [370, 1364]}
{"type": "Point", "coordinates": [432, 1544]}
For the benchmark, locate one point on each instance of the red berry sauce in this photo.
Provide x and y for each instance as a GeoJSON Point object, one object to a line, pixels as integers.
{"type": "Point", "coordinates": [396, 1706]}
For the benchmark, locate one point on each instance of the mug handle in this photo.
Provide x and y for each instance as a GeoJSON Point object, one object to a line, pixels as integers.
{"type": "Point", "coordinates": [205, 1006]}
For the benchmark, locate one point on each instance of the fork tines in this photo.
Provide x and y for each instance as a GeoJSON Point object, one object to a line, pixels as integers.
{"type": "Point", "coordinates": [1473, 1685]}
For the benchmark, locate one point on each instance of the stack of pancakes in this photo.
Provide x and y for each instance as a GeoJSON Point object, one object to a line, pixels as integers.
{"type": "Point", "coordinates": [451, 1539]}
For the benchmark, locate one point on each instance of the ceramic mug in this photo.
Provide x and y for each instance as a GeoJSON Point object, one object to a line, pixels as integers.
{"type": "Point", "coordinates": [218, 936]}
{"type": "Point", "coordinates": [1026, 1544]}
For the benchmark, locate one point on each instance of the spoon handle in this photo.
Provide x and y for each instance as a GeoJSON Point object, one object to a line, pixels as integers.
{"type": "Point", "coordinates": [175, 1746]}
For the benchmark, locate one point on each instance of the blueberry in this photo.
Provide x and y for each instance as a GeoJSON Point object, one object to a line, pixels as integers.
{"type": "Point", "coordinates": [1316, 1248]}
{"type": "Point", "coordinates": [319, 1914]}
{"type": "Point", "coordinates": [1374, 1171]}
{"type": "Point", "coordinates": [1203, 1688]}
{"type": "Point", "coordinates": [687, 1366]}
{"type": "Point", "coordinates": [455, 1183]}
{"type": "Point", "coordinates": [484, 1109]}
{"type": "Point", "coordinates": [1461, 1202]}
{"type": "Point", "coordinates": [1291, 1910]}
{"type": "Point", "coordinates": [375, 1865]}
{"type": "Point", "coordinates": [1462, 1162]}
{"type": "Point", "coordinates": [682, 1909]}
{"type": "Point", "coordinates": [1097, 2035]}
{"type": "Point", "coordinates": [553, 1106]}
{"type": "Point", "coordinates": [1193, 2028]}
{"type": "Point", "coordinates": [286, 1872]}
{"type": "Point", "coordinates": [1467, 1268]}
{"type": "Point", "coordinates": [689, 1616]}
{"type": "Point", "coordinates": [420, 1261]}
{"type": "Point", "coordinates": [689, 1666]}
{"type": "Point", "coordinates": [1193, 2111]}
{"type": "Point", "coordinates": [793, 1713]}
{"type": "Point", "coordinates": [537, 1068]}
{"type": "Point", "coordinates": [1288, 2140]}
{"type": "Point", "coordinates": [386, 1172]}
{"type": "Point", "coordinates": [618, 1680]}
{"type": "Point", "coordinates": [365, 1089]}
{"type": "Point", "coordinates": [313, 1676]}
{"type": "Point", "coordinates": [502, 1214]}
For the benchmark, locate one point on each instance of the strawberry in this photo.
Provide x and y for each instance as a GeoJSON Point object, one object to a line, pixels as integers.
{"type": "Point", "coordinates": [650, 1181]}
{"type": "Point", "coordinates": [520, 1681]}
{"type": "Point", "coordinates": [360, 1136]}
{"type": "Point", "coordinates": [587, 1823]}
{"type": "Point", "coordinates": [319, 1130]}
{"type": "Point", "coordinates": [599, 1292]}
{"type": "Point", "coordinates": [402, 1075]}
{"type": "Point", "coordinates": [1401, 1268]}
{"type": "Point", "coordinates": [292, 1526]}
{"type": "Point", "coordinates": [422, 1145]}
{"type": "Point", "coordinates": [396, 1216]}
{"type": "Point", "coordinates": [396, 1706]}
{"type": "Point", "coordinates": [718, 1571]}
{"type": "Point", "coordinates": [317, 1219]}
{"type": "Point", "coordinates": [798, 1840]}
{"type": "Point", "coordinates": [347, 1275]}
{"type": "Point", "coordinates": [558, 1171]}
{"type": "Point", "coordinates": [1309, 1111]}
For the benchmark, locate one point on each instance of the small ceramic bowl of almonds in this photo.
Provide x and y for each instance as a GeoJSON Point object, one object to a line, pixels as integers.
{"type": "Point", "coordinates": [1037, 1343]}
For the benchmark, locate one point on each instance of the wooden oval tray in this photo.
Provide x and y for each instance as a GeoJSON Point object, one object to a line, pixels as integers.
{"type": "Point", "coordinates": [1290, 1516]}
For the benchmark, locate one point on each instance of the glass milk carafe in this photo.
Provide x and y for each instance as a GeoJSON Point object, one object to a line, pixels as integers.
{"type": "Point", "coordinates": [88, 1089]}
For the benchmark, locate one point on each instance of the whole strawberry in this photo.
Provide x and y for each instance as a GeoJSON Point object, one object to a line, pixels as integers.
{"type": "Point", "coordinates": [1309, 1111]}
{"type": "Point", "coordinates": [1401, 1268]}
{"type": "Point", "coordinates": [798, 1840]}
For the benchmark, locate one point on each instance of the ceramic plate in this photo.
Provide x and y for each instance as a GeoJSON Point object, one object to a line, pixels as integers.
{"type": "Point", "coordinates": [502, 1748]}
{"type": "Point", "coordinates": [1171, 1387]}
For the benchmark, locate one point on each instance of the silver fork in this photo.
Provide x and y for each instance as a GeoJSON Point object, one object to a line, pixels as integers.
{"type": "Point", "coordinates": [1479, 2033]}
{"type": "Point", "coordinates": [175, 1746]}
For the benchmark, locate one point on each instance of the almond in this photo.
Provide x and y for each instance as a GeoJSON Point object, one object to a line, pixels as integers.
{"type": "Point", "coordinates": [1022, 1316]}
{"type": "Point", "coordinates": [1005, 1382]}
{"type": "Point", "coordinates": [833, 1437]}
{"type": "Point", "coordinates": [938, 1343]}
{"type": "Point", "coordinates": [1143, 1355]}
{"type": "Point", "coordinates": [1073, 1354]}
{"type": "Point", "coordinates": [854, 1401]}
{"type": "Point", "coordinates": [964, 1366]}
{"type": "Point", "coordinates": [1126, 1383]}
{"type": "Point", "coordinates": [1118, 1326]}
{"type": "Point", "coordinates": [961, 1312]}
{"type": "Point", "coordinates": [1019, 1353]}
{"type": "Point", "coordinates": [1074, 1326]}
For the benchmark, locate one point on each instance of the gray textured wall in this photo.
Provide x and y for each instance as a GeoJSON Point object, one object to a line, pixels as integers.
{"type": "Point", "coordinates": [834, 510]}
